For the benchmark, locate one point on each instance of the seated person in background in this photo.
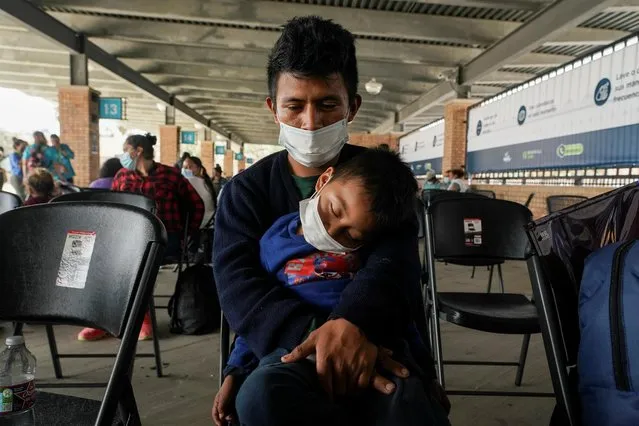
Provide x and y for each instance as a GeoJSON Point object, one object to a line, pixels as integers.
{"type": "Point", "coordinates": [456, 181]}
{"type": "Point", "coordinates": [431, 181]}
{"type": "Point", "coordinates": [40, 187]}
{"type": "Point", "coordinates": [301, 251]}
{"type": "Point", "coordinates": [107, 172]}
{"type": "Point", "coordinates": [174, 198]}
{"type": "Point", "coordinates": [195, 173]}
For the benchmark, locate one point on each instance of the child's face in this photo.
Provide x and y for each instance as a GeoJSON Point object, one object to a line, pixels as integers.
{"type": "Point", "coordinates": [345, 210]}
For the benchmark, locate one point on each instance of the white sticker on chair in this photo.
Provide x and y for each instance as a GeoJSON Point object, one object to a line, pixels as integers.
{"type": "Point", "coordinates": [76, 258]}
{"type": "Point", "coordinates": [472, 232]}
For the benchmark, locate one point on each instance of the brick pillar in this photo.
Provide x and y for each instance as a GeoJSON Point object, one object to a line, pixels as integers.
{"type": "Point", "coordinates": [207, 155]}
{"type": "Point", "coordinates": [169, 144]}
{"type": "Point", "coordinates": [79, 128]}
{"type": "Point", "coordinates": [455, 114]}
{"type": "Point", "coordinates": [229, 157]}
{"type": "Point", "coordinates": [241, 164]}
{"type": "Point", "coordinates": [372, 140]}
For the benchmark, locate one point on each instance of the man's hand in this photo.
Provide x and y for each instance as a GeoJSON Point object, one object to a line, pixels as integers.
{"type": "Point", "coordinates": [345, 359]}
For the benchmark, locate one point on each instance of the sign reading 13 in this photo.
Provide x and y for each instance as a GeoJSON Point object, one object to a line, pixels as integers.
{"type": "Point", "coordinates": [112, 108]}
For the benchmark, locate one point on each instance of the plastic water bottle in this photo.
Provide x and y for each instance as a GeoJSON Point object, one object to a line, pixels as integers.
{"type": "Point", "coordinates": [17, 386]}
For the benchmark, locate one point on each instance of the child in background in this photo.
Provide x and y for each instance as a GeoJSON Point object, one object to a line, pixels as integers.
{"type": "Point", "coordinates": [40, 187]}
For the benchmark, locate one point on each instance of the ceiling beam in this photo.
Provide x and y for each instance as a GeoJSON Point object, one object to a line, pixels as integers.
{"type": "Point", "coordinates": [42, 23]}
{"type": "Point", "coordinates": [528, 5]}
{"type": "Point", "coordinates": [546, 25]}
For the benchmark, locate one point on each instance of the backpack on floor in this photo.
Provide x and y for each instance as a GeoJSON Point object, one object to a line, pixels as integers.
{"type": "Point", "coordinates": [194, 308]}
{"type": "Point", "coordinates": [608, 360]}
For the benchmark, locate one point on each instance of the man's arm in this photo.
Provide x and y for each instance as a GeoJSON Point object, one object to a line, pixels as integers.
{"type": "Point", "coordinates": [377, 300]}
{"type": "Point", "coordinates": [265, 313]}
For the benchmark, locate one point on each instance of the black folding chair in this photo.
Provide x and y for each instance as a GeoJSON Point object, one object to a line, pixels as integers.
{"type": "Point", "coordinates": [471, 228]}
{"type": "Point", "coordinates": [562, 242]}
{"type": "Point", "coordinates": [86, 274]}
{"type": "Point", "coordinates": [486, 193]}
{"type": "Point", "coordinates": [428, 197]}
{"type": "Point", "coordinates": [529, 199]}
{"type": "Point", "coordinates": [126, 198]}
{"type": "Point", "coordinates": [9, 201]}
{"type": "Point", "coordinates": [556, 203]}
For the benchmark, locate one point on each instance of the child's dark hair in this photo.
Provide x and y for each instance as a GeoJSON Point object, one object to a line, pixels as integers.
{"type": "Point", "coordinates": [311, 46]}
{"type": "Point", "coordinates": [389, 183]}
{"type": "Point", "coordinates": [145, 141]}
{"type": "Point", "coordinates": [110, 168]}
{"type": "Point", "coordinates": [41, 182]}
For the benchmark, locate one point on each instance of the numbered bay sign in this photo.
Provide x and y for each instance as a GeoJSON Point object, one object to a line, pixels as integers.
{"type": "Point", "coordinates": [112, 108]}
{"type": "Point", "coordinates": [187, 138]}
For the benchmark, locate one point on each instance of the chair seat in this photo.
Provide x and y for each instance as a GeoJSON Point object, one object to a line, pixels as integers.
{"type": "Point", "coordinates": [472, 262]}
{"type": "Point", "coordinates": [491, 312]}
{"type": "Point", "coordinates": [62, 410]}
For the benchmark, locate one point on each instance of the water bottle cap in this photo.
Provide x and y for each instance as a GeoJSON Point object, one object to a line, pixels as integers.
{"type": "Point", "coordinates": [14, 340]}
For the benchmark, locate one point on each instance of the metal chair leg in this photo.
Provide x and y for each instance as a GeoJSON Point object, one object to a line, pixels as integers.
{"type": "Point", "coordinates": [472, 274]}
{"type": "Point", "coordinates": [490, 278]}
{"type": "Point", "coordinates": [501, 278]}
{"type": "Point", "coordinates": [156, 341]}
{"type": "Point", "coordinates": [225, 337]}
{"type": "Point", "coordinates": [55, 358]}
{"type": "Point", "coordinates": [522, 359]}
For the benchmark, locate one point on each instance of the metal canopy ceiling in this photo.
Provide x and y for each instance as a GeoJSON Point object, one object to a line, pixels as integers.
{"type": "Point", "coordinates": [211, 55]}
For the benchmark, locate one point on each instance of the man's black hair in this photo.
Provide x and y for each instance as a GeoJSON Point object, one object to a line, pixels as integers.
{"type": "Point", "coordinates": [311, 46]}
{"type": "Point", "coordinates": [389, 183]}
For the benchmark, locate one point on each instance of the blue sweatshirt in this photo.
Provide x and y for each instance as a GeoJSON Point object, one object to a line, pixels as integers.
{"type": "Point", "coordinates": [317, 277]}
{"type": "Point", "coordinates": [381, 299]}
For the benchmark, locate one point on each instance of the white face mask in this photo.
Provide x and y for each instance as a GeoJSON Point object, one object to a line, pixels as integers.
{"type": "Point", "coordinates": [314, 148]}
{"type": "Point", "coordinates": [314, 231]}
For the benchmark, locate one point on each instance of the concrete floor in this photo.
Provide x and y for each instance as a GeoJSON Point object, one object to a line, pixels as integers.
{"type": "Point", "coordinates": [185, 395]}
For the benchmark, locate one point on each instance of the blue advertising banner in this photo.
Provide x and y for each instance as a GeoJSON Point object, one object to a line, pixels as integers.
{"type": "Point", "coordinates": [249, 160]}
{"type": "Point", "coordinates": [188, 138]}
{"type": "Point", "coordinates": [423, 149]}
{"type": "Point", "coordinates": [239, 156]}
{"type": "Point", "coordinates": [583, 114]}
{"type": "Point", "coordinates": [112, 108]}
{"type": "Point", "coordinates": [219, 150]}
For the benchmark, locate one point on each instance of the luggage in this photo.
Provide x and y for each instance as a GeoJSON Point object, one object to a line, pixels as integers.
{"type": "Point", "coordinates": [608, 360]}
{"type": "Point", "coordinates": [194, 308]}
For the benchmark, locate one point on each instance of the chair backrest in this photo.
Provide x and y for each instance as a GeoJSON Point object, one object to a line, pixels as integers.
{"type": "Point", "coordinates": [430, 195]}
{"type": "Point", "coordinates": [529, 199]}
{"type": "Point", "coordinates": [9, 201]}
{"type": "Point", "coordinates": [485, 193]}
{"type": "Point", "coordinates": [556, 203]}
{"type": "Point", "coordinates": [128, 198]}
{"type": "Point", "coordinates": [72, 265]}
{"type": "Point", "coordinates": [478, 228]}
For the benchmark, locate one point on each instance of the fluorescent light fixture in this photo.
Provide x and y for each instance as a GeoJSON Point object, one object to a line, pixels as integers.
{"type": "Point", "coordinates": [619, 46]}
{"type": "Point", "coordinates": [373, 87]}
{"type": "Point", "coordinates": [632, 41]}
{"type": "Point", "coordinates": [576, 64]}
{"type": "Point", "coordinates": [161, 107]}
{"type": "Point", "coordinates": [560, 71]}
{"type": "Point", "coordinates": [552, 74]}
{"type": "Point", "coordinates": [587, 60]}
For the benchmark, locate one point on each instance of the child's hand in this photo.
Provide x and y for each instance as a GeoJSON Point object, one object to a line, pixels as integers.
{"type": "Point", "coordinates": [224, 404]}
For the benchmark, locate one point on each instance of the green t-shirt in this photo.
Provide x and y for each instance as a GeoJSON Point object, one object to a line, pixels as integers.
{"type": "Point", "coordinates": [305, 185]}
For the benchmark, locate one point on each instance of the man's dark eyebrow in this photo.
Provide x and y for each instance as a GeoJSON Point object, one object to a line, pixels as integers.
{"type": "Point", "coordinates": [291, 99]}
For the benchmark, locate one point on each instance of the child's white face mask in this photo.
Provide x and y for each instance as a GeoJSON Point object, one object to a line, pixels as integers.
{"type": "Point", "coordinates": [314, 231]}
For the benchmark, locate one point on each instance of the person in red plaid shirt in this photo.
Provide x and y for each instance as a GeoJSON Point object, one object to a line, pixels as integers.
{"type": "Point", "coordinates": [174, 197]}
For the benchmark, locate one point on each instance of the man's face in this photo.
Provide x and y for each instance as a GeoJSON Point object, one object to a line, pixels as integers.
{"type": "Point", "coordinates": [312, 103]}
{"type": "Point", "coordinates": [345, 210]}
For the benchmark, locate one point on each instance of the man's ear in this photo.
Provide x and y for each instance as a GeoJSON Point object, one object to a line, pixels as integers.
{"type": "Point", "coordinates": [354, 107]}
{"type": "Point", "coordinates": [270, 104]}
{"type": "Point", "coordinates": [324, 178]}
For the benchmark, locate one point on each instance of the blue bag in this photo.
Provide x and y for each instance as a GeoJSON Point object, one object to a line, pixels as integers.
{"type": "Point", "coordinates": [608, 360]}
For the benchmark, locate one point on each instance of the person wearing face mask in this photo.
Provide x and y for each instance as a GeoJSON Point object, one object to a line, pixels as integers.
{"type": "Point", "coordinates": [455, 181]}
{"type": "Point", "coordinates": [312, 82]}
{"type": "Point", "coordinates": [195, 173]}
{"type": "Point", "coordinates": [173, 195]}
{"type": "Point", "coordinates": [308, 252]}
